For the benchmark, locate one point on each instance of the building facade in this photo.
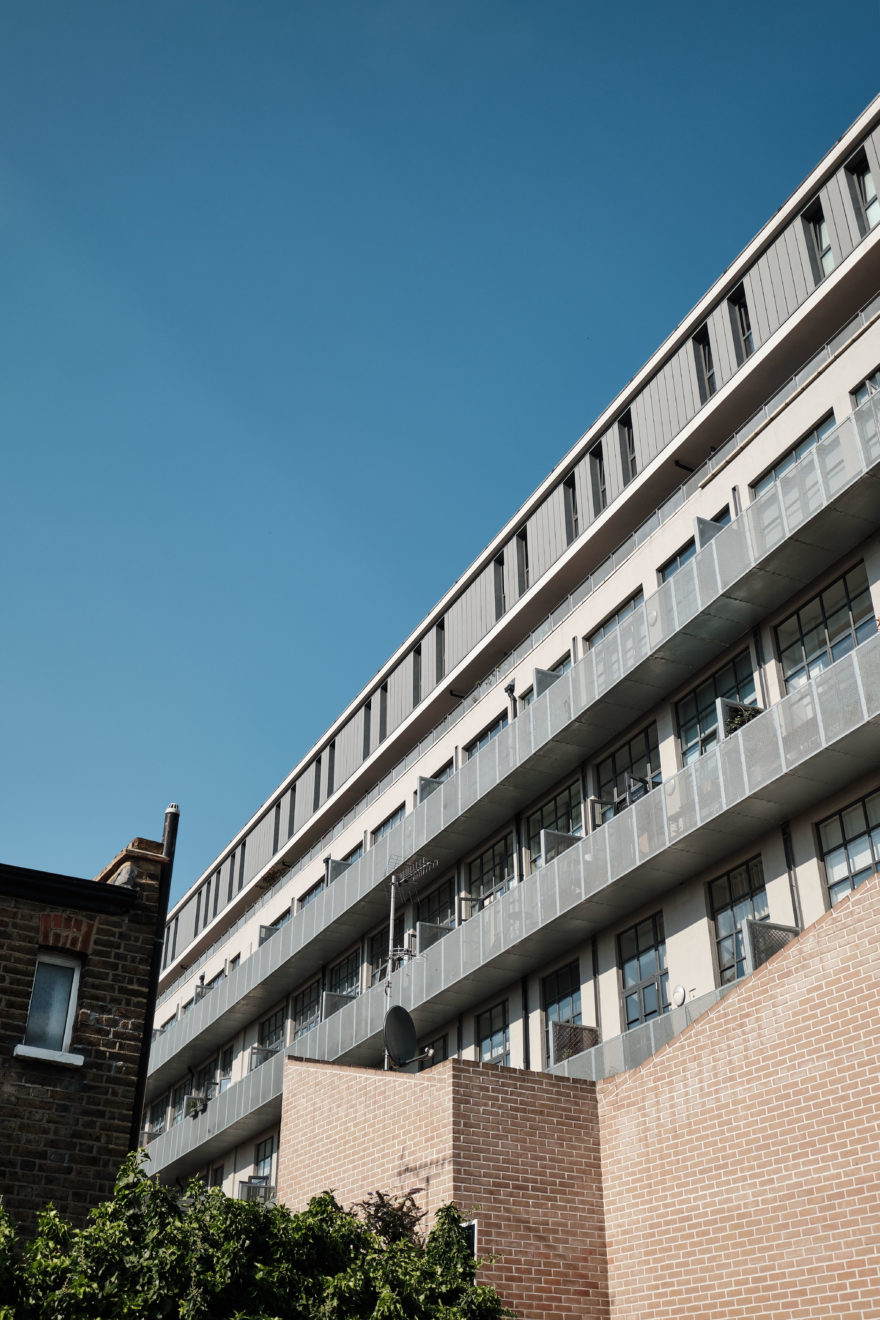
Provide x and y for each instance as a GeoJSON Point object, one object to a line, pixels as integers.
{"type": "Point", "coordinates": [645, 714]}
{"type": "Point", "coordinates": [80, 973]}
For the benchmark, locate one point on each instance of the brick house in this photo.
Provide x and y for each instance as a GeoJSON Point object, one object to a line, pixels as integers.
{"type": "Point", "coordinates": [80, 966]}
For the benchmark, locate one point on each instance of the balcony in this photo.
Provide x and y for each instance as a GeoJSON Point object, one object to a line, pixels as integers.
{"type": "Point", "coordinates": [824, 505]}
{"type": "Point", "coordinates": [785, 761]}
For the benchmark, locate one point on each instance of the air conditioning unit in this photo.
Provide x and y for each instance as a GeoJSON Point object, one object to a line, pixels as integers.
{"type": "Point", "coordinates": [194, 1104]}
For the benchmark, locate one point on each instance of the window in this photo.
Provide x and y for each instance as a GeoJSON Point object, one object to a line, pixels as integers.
{"type": "Point", "coordinates": [445, 772]}
{"type": "Point", "coordinates": [440, 1048]}
{"type": "Point", "coordinates": [270, 1034]}
{"type": "Point", "coordinates": [483, 739]}
{"type": "Point", "coordinates": [416, 675]}
{"type": "Point", "coordinates": [803, 446]}
{"type": "Point", "coordinates": [628, 773]}
{"type": "Point", "coordinates": [306, 1010]}
{"type": "Point", "coordinates": [816, 228]}
{"type": "Point", "coordinates": [383, 712]}
{"type": "Point", "coordinates": [491, 874]}
{"type": "Point", "coordinates": [217, 1175]}
{"type": "Point", "coordinates": [500, 598]}
{"type": "Point", "coordinates": [562, 813]}
{"type": "Point", "coordinates": [869, 386]}
{"type": "Point", "coordinates": [276, 840]}
{"type": "Point", "coordinates": [241, 853]}
{"type": "Point", "coordinates": [263, 1157]}
{"type": "Point", "coordinates": [527, 698]}
{"type": "Point", "coordinates": [440, 649]}
{"type": "Point", "coordinates": [356, 852]}
{"type": "Point", "coordinates": [570, 505]}
{"type": "Point", "coordinates": [266, 932]}
{"type": "Point", "coordinates": [614, 619]}
{"type": "Point", "coordinates": [316, 792]}
{"type": "Point", "coordinates": [741, 324]}
{"type": "Point", "coordinates": [562, 666]}
{"type": "Point", "coordinates": [627, 439]}
{"type": "Point", "coordinates": [157, 1116]}
{"type": "Point", "coordinates": [864, 192]}
{"type": "Point", "coordinates": [378, 950]}
{"type": "Point", "coordinates": [560, 1001]}
{"type": "Point", "coordinates": [826, 628]}
{"type": "Point", "coordinates": [522, 562]}
{"type": "Point", "coordinates": [438, 907]}
{"type": "Point", "coordinates": [705, 363]}
{"type": "Point", "coordinates": [224, 1071]}
{"type": "Point", "coordinates": [493, 1036]}
{"type": "Point", "coordinates": [388, 823]}
{"type": "Point", "coordinates": [178, 1099]}
{"type": "Point", "coordinates": [696, 714]}
{"type": "Point", "coordinates": [331, 767]}
{"type": "Point", "coordinates": [291, 816]}
{"type": "Point", "coordinates": [850, 846]}
{"type": "Point", "coordinates": [641, 955]}
{"type": "Point", "coordinates": [367, 715]}
{"type": "Point", "coordinates": [233, 963]}
{"type": "Point", "coordinates": [53, 1005]}
{"type": "Point", "coordinates": [311, 894]}
{"type": "Point", "coordinates": [734, 897]}
{"type": "Point", "coordinates": [597, 478]}
{"type": "Point", "coordinates": [671, 567]}
{"type": "Point", "coordinates": [345, 977]}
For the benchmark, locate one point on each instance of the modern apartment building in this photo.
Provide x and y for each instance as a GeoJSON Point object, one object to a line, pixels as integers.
{"type": "Point", "coordinates": [646, 713]}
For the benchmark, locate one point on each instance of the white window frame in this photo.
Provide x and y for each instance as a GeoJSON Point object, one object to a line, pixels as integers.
{"type": "Point", "coordinates": [64, 1056]}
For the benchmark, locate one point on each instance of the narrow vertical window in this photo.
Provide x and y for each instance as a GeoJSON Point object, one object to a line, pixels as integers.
{"type": "Point", "coordinates": [216, 892]}
{"type": "Point", "coordinates": [627, 439]}
{"type": "Point", "coordinates": [291, 813]}
{"type": "Point", "coordinates": [705, 364]}
{"type": "Point", "coordinates": [383, 712]}
{"type": "Point", "coordinates": [241, 852]}
{"type": "Point", "coordinates": [500, 601]}
{"type": "Point", "coordinates": [864, 192]}
{"type": "Point", "coordinates": [741, 324]}
{"type": "Point", "coordinates": [207, 912]}
{"type": "Point", "coordinates": [570, 502]}
{"type": "Point", "coordinates": [818, 238]}
{"type": "Point", "coordinates": [416, 675]}
{"type": "Point", "coordinates": [331, 767]}
{"type": "Point", "coordinates": [522, 561]}
{"type": "Point", "coordinates": [368, 710]}
{"type": "Point", "coordinates": [440, 649]}
{"type": "Point", "coordinates": [198, 912]}
{"type": "Point", "coordinates": [597, 476]}
{"type": "Point", "coordinates": [316, 788]}
{"type": "Point", "coordinates": [276, 828]}
{"type": "Point", "coordinates": [53, 1004]}
{"type": "Point", "coordinates": [231, 890]}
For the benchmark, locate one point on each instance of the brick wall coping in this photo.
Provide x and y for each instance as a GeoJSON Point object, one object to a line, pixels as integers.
{"type": "Point", "coordinates": [448, 1065]}
{"type": "Point", "coordinates": [66, 891]}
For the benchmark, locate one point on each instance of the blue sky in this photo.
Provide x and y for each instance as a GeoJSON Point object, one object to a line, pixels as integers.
{"type": "Point", "coordinates": [300, 301]}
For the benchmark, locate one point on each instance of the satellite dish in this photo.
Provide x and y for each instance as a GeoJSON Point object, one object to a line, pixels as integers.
{"type": "Point", "coordinates": [679, 995]}
{"type": "Point", "coordinates": [401, 1040]}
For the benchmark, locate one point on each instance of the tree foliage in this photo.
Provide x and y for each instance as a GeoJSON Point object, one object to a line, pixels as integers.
{"type": "Point", "coordinates": [150, 1254]}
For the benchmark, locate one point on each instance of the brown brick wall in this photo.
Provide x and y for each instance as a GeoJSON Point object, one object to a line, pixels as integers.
{"type": "Point", "coordinates": [742, 1163]}
{"type": "Point", "coordinates": [65, 1131]}
{"type": "Point", "coordinates": [519, 1151]}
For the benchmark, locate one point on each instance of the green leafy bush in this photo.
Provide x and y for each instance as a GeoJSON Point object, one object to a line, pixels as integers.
{"type": "Point", "coordinates": [151, 1254]}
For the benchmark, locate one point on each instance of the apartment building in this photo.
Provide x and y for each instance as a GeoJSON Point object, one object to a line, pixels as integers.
{"type": "Point", "coordinates": [647, 713]}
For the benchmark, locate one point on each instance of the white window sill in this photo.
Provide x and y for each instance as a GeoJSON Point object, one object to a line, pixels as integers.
{"type": "Point", "coordinates": [49, 1056]}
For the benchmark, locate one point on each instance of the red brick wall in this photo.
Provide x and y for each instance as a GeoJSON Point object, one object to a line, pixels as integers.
{"type": "Point", "coordinates": [65, 1131]}
{"type": "Point", "coordinates": [519, 1151]}
{"type": "Point", "coordinates": [742, 1163]}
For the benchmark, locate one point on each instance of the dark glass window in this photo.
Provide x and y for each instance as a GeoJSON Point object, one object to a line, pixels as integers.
{"type": "Point", "coordinates": [560, 1000]}
{"type": "Point", "coordinates": [641, 953]}
{"type": "Point", "coordinates": [614, 619]}
{"type": "Point", "coordinates": [345, 977]}
{"type": "Point", "coordinates": [522, 561]}
{"type": "Point", "coordinates": [819, 240]}
{"type": "Point", "coordinates": [563, 813]}
{"type": "Point", "coordinates": [493, 1035]}
{"type": "Point", "coordinates": [491, 874]}
{"type": "Point", "coordinates": [734, 897]}
{"type": "Point", "coordinates": [570, 501]}
{"type": "Point", "coordinates": [850, 846]}
{"type": "Point", "coordinates": [388, 824]}
{"type": "Point", "coordinates": [629, 772]}
{"type": "Point", "coordinates": [627, 439]}
{"type": "Point", "coordinates": [803, 446]}
{"type": "Point", "coordinates": [826, 628]}
{"type": "Point", "coordinates": [440, 1046]}
{"type": "Point", "coordinates": [695, 713]}
{"type": "Point", "coordinates": [705, 364]}
{"type": "Point", "coordinates": [438, 907]}
{"type": "Point", "coordinates": [741, 324]}
{"type": "Point", "coordinates": [486, 736]}
{"type": "Point", "coordinates": [306, 1009]}
{"type": "Point", "coordinates": [597, 477]}
{"type": "Point", "coordinates": [270, 1035]}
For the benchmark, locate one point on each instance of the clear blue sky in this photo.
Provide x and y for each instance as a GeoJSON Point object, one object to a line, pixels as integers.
{"type": "Point", "coordinates": [299, 302]}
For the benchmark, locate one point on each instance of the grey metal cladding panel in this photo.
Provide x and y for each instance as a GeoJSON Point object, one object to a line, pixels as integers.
{"type": "Point", "coordinates": [777, 283]}
{"type": "Point", "coordinates": [789, 288]}
{"type": "Point", "coordinates": [673, 373]}
{"type": "Point", "coordinates": [761, 273]}
{"type": "Point", "coordinates": [399, 693]}
{"type": "Point", "coordinates": [689, 376]}
{"type": "Point", "coordinates": [756, 305]}
{"type": "Point", "coordinates": [304, 796]}
{"type": "Point", "coordinates": [671, 380]}
{"type": "Point", "coordinates": [349, 751]}
{"type": "Point", "coordinates": [654, 408]}
{"type": "Point", "coordinates": [792, 238]}
{"type": "Point", "coordinates": [541, 532]}
{"type": "Point", "coordinates": [186, 923]}
{"type": "Point", "coordinates": [456, 633]}
{"type": "Point", "coordinates": [643, 425]}
{"type": "Point", "coordinates": [259, 845]}
{"type": "Point", "coordinates": [613, 463]}
{"type": "Point", "coordinates": [838, 210]}
{"type": "Point", "coordinates": [722, 340]}
{"type": "Point", "coordinates": [582, 489]}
